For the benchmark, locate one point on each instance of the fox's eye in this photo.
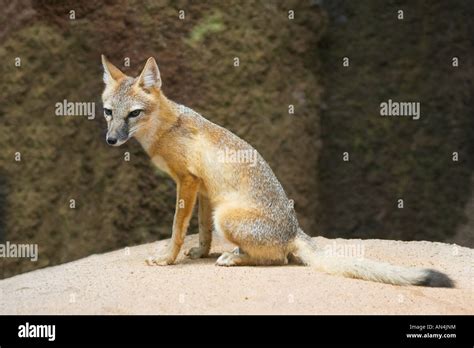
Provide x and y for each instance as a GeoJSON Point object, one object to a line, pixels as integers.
{"type": "Point", "coordinates": [108, 112]}
{"type": "Point", "coordinates": [134, 113]}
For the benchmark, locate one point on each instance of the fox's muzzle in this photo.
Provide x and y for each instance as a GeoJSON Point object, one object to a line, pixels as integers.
{"type": "Point", "coordinates": [117, 134]}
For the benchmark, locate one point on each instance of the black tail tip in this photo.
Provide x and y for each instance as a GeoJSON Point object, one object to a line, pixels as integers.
{"type": "Point", "coordinates": [436, 279]}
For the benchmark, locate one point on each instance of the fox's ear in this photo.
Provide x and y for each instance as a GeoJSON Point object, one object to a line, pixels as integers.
{"type": "Point", "coordinates": [150, 76]}
{"type": "Point", "coordinates": [111, 72]}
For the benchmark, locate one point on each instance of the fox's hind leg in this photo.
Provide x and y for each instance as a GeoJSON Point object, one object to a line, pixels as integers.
{"type": "Point", "coordinates": [263, 256]}
{"type": "Point", "coordinates": [235, 258]}
{"type": "Point", "coordinates": [256, 238]}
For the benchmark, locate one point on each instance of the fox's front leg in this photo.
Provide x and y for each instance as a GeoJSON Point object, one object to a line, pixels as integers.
{"type": "Point", "coordinates": [205, 229]}
{"type": "Point", "coordinates": [186, 198]}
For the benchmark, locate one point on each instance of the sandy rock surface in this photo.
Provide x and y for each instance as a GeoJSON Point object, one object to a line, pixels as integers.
{"type": "Point", "coordinates": [120, 282]}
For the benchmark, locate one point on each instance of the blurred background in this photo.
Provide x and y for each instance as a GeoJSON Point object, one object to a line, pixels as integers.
{"type": "Point", "coordinates": [283, 62]}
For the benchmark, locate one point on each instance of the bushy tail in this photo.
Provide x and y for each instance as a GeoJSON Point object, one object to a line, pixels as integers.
{"type": "Point", "coordinates": [305, 251]}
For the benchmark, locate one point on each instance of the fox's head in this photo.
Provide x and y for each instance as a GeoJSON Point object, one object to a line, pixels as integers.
{"type": "Point", "coordinates": [129, 103]}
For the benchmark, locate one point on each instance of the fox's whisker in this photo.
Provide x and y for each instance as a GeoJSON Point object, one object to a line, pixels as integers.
{"type": "Point", "coordinates": [132, 132]}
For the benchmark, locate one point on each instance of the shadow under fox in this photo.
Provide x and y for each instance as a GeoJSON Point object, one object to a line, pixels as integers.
{"type": "Point", "coordinates": [244, 203]}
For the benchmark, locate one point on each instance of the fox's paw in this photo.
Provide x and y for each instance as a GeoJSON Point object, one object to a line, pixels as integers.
{"type": "Point", "coordinates": [228, 259]}
{"type": "Point", "coordinates": [160, 261]}
{"type": "Point", "coordinates": [197, 252]}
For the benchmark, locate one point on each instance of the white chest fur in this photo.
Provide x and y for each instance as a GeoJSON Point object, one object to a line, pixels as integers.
{"type": "Point", "coordinates": [161, 164]}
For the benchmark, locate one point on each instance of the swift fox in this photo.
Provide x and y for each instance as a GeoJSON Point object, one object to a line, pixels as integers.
{"type": "Point", "coordinates": [244, 203]}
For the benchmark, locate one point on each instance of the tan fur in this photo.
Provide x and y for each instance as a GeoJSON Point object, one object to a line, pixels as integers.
{"type": "Point", "coordinates": [244, 203]}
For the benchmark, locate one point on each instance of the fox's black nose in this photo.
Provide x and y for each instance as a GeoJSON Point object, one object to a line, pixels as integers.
{"type": "Point", "coordinates": [111, 141]}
